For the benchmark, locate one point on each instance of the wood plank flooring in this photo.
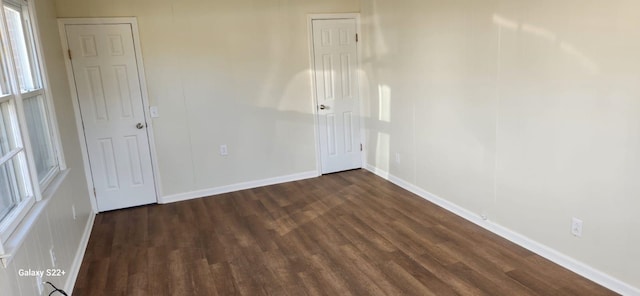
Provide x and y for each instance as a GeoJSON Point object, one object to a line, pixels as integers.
{"type": "Point", "coordinates": [351, 233]}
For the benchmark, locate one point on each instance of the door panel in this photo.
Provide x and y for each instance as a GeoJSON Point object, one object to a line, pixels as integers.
{"type": "Point", "coordinates": [110, 98]}
{"type": "Point", "coordinates": [335, 62]}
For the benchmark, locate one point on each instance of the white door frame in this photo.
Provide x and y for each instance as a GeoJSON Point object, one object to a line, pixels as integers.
{"type": "Point", "coordinates": [62, 22]}
{"type": "Point", "coordinates": [335, 16]}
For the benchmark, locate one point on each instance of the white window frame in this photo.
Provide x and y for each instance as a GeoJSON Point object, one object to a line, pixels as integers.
{"type": "Point", "coordinates": [37, 71]}
{"type": "Point", "coordinates": [16, 224]}
{"type": "Point", "coordinates": [11, 221]}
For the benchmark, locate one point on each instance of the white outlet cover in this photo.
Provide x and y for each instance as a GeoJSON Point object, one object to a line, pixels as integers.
{"type": "Point", "coordinates": [576, 227]}
{"type": "Point", "coordinates": [223, 150]}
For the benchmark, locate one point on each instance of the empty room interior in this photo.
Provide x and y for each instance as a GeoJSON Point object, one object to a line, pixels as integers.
{"type": "Point", "coordinates": [319, 147]}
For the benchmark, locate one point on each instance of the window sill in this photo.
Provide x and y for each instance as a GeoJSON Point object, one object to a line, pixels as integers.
{"type": "Point", "coordinates": [12, 245]}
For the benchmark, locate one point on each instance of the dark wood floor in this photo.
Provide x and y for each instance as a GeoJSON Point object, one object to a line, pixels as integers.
{"type": "Point", "coordinates": [350, 233]}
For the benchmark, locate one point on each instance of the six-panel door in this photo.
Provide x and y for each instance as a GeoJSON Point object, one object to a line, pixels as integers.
{"type": "Point", "coordinates": [110, 97]}
{"type": "Point", "coordinates": [335, 66]}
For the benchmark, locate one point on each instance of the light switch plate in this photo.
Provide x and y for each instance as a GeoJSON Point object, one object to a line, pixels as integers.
{"type": "Point", "coordinates": [154, 111]}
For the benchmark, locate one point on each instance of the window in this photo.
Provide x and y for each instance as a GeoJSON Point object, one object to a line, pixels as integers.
{"type": "Point", "coordinates": [28, 158]}
{"type": "Point", "coordinates": [15, 187]}
{"type": "Point", "coordinates": [43, 153]}
{"type": "Point", "coordinates": [30, 86]}
{"type": "Point", "coordinates": [12, 189]}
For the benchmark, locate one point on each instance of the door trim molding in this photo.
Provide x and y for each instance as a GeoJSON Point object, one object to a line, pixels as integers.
{"type": "Point", "coordinates": [334, 16]}
{"type": "Point", "coordinates": [62, 22]}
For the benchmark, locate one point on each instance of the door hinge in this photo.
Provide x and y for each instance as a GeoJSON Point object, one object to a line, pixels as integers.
{"type": "Point", "coordinates": [360, 146]}
{"type": "Point", "coordinates": [356, 37]}
{"type": "Point", "coordinates": [69, 52]}
{"type": "Point", "coordinates": [94, 192]}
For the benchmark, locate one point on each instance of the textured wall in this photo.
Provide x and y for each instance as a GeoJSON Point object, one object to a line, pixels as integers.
{"type": "Point", "coordinates": [224, 72]}
{"type": "Point", "coordinates": [55, 227]}
{"type": "Point", "coordinates": [525, 111]}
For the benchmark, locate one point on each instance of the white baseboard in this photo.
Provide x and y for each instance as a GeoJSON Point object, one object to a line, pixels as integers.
{"type": "Point", "coordinates": [237, 187]}
{"type": "Point", "coordinates": [551, 254]}
{"type": "Point", "coordinates": [77, 260]}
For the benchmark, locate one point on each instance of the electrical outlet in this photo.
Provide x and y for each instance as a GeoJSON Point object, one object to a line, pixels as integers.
{"type": "Point", "coordinates": [53, 257]}
{"type": "Point", "coordinates": [39, 285]}
{"type": "Point", "coordinates": [576, 227]}
{"type": "Point", "coordinates": [397, 157]}
{"type": "Point", "coordinates": [223, 150]}
{"type": "Point", "coordinates": [73, 212]}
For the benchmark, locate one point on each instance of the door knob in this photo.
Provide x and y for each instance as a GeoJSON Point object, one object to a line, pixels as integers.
{"type": "Point", "coordinates": [322, 107]}
{"type": "Point", "coordinates": [140, 125]}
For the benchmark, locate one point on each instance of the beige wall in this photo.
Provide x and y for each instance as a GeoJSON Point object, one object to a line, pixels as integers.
{"type": "Point", "coordinates": [55, 227]}
{"type": "Point", "coordinates": [224, 72]}
{"type": "Point", "coordinates": [525, 111]}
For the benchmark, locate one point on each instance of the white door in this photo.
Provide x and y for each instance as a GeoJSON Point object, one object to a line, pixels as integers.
{"type": "Point", "coordinates": [336, 63]}
{"type": "Point", "coordinates": [110, 98]}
